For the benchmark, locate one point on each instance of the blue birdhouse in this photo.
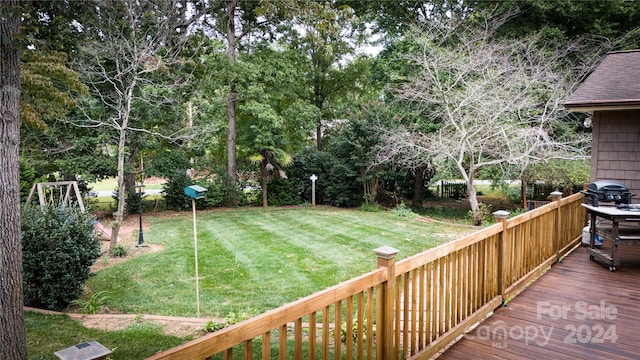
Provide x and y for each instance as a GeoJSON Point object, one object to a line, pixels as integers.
{"type": "Point", "coordinates": [195, 192]}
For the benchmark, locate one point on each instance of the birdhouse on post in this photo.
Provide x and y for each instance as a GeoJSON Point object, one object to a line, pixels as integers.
{"type": "Point", "coordinates": [195, 192]}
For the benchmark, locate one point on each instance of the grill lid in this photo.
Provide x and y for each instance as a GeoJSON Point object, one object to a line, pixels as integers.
{"type": "Point", "coordinates": [604, 186]}
{"type": "Point", "coordinates": [607, 191]}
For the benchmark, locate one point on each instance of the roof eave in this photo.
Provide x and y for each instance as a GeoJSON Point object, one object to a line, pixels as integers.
{"type": "Point", "coordinates": [602, 106]}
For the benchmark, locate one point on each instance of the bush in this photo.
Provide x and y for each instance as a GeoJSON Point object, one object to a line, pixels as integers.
{"type": "Point", "coordinates": [486, 213]}
{"type": "Point", "coordinates": [282, 192]}
{"type": "Point", "coordinates": [338, 183]}
{"type": "Point", "coordinates": [58, 249]}
{"type": "Point", "coordinates": [119, 251]}
{"type": "Point", "coordinates": [403, 211]}
{"type": "Point", "coordinates": [27, 179]}
{"type": "Point", "coordinates": [94, 303]}
{"type": "Point", "coordinates": [173, 191]}
{"type": "Point", "coordinates": [370, 207]}
{"type": "Point", "coordinates": [221, 191]}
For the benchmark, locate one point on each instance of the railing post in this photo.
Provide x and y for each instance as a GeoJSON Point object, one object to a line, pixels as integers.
{"type": "Point", "coordinates": [384, 327]}
{"type": "Point", "coordinates": [557, 196]}
{"type": "Point", "coordinates": [501, 217]}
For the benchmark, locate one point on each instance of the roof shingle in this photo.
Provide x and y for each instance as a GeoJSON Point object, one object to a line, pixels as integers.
{"type": "Point", "coordinates": [614, 84]}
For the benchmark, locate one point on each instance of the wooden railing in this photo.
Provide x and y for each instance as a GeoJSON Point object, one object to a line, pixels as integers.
{"type": "Point", "coordinates": [410, 309]}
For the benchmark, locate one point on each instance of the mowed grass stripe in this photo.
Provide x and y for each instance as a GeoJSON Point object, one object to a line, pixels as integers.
{"type": "Point", "coordinates": [369, 231]}
{"type": "Point", "coordinates": [326, 256]}
{"type": "Point", "coordinates": [261, 265]}
{"type": "Point", "coordinates": [252, 260]}
{"type": "Point", "coordinates": [287, 266]}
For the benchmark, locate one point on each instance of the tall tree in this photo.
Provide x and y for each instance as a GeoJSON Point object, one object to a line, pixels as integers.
{"type": "Point", "coordinates": [568, 18]}
{"type": "Point", "coordinates": [395, 18]}
{"type": "Point", "coordinates": [13, 343]}
{"type": "Point", "coordinates": [133, 41]}
{"type": "Point", "coordinates": [328, 35]}
{"type": "Point", "coordinates": [231, 101]}
{"type": "Point", "coordinates": [494, 102]}
{"type": "Point", "coordinates": [274, 115]}
{"type": "Point", "coordinates": [50, 90]}
{"type": "Point", "coordinates": [234, 21]}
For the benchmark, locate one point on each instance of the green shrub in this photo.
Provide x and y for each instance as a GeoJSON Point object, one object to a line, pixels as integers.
{"type": "Point", "coordinates": [282, 192]}
{"type": "Point", "coordinates": [173, 191]}
{"type": "Point", "coordinates": [119, 251]}
{"type": "Point", "coordinates": [230, 319]}
{"type": "Point", "coordinates": [403, 211]}
{"type": "Point", "coordinates": [27, 179]}
{"type": "Point", "coordinates": [354, 331]}
{"type": "Point", "coordinates": [370, 207]}
{"type": "Point", "coordinates": [213, 326]}
{"type": "Point", "coordinates": [486, 213]}
{"type": "Point", "coordinates": [94, 303]}
{"type": "Point", "coordinates": [338, 184]}
{"type": "Point", "coordinates": [221, 191]}
{"type": "Point", "coordinates": [59, 246]}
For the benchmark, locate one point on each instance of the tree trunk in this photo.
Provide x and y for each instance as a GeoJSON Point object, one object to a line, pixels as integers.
{"type": "Point", "coordinates": [130, 176]}
{"type": "Point", "coordinates": [115, 229]}
{"type": "Point", "coordinates": [523, 193]}
{"type": "Point", "coordinates": [13, 343]}
{"type": "Point", "coordinates": [418, 188]}
{"type": "Point", "coordinates": [122, 142]}
{"type": "Point", "coordinates": [231, 99]}
{"type": "Point", "coordinates": [318, 102]}
{"type": "Point", "coordinates": [319, 135]}
{"type": "Point", "coordinates": [473, 202]}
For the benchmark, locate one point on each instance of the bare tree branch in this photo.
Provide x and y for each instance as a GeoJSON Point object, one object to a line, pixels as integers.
{"type": "Point", "coordinates": [496, 103]}
{"type": "Point", "coordinates": [136, 41]}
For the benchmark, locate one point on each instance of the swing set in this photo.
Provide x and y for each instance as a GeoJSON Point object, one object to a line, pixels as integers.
{"type": "Point", "coordinates": [61, 193]}
{"type": "Point", "coordinates": [56, 193]}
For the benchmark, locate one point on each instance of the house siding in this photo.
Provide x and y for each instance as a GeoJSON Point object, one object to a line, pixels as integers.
{"type": "Point", "coordinates": [616, 148]}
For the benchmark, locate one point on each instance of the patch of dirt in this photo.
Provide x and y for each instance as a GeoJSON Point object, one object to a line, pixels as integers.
{"type": "Point", "coordinates": [171, 325]}
{"type": "Point", "coordinates": [128, 235]}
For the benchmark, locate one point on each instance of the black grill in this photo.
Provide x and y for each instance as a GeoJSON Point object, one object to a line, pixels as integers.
{"type": "Point", "coordinates": [607, 191]}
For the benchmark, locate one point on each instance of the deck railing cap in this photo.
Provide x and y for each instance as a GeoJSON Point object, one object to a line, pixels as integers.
{"type": "Point", "coordinates": [501, 214]}
{"type": "Point", "coordinates": [386, 252]}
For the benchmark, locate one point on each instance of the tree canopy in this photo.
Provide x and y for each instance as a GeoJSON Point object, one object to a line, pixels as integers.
{"type": "Point", "coordinates": [199, 86]}
{"type": "Point", "coordinates": [268, 89]}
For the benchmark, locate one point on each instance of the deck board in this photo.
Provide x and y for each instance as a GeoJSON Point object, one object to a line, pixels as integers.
{"type": "Point", "coordinates": [577, 310]}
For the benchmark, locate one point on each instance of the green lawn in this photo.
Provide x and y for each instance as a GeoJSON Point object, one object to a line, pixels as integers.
{"type": "Point", "coordinates": [252, 260]}
{"type": "Point", "coordinates": [111, 183]}
{"type": "Point", "coordinates": [47, 334]}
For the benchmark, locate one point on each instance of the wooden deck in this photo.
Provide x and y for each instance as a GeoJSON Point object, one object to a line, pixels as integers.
{"type": "Point", "coordinates": [577, 310]}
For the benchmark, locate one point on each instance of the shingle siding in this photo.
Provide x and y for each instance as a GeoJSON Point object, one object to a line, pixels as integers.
{"type": "Point", "coordinates": [616, 148]}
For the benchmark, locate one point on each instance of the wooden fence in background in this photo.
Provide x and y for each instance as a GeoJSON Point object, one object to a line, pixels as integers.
{"type": "Point", "coordinates": [410, 309]}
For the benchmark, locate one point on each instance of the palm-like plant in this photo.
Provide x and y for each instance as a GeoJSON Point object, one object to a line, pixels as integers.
{"type": "Point", "coordinates": [272, 163]}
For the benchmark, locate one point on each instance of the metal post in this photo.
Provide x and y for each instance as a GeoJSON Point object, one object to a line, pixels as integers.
{"type": "Point", "coordinates": [140, 232]}
{"type": "Point", "coordinates": [195, 192]}
{"type": "Point", "coordinates": [195, 253]}
{"type": "Point", "coordinates": [313, 179]}
{"type": "Point", "coordinates": [140, 235]}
